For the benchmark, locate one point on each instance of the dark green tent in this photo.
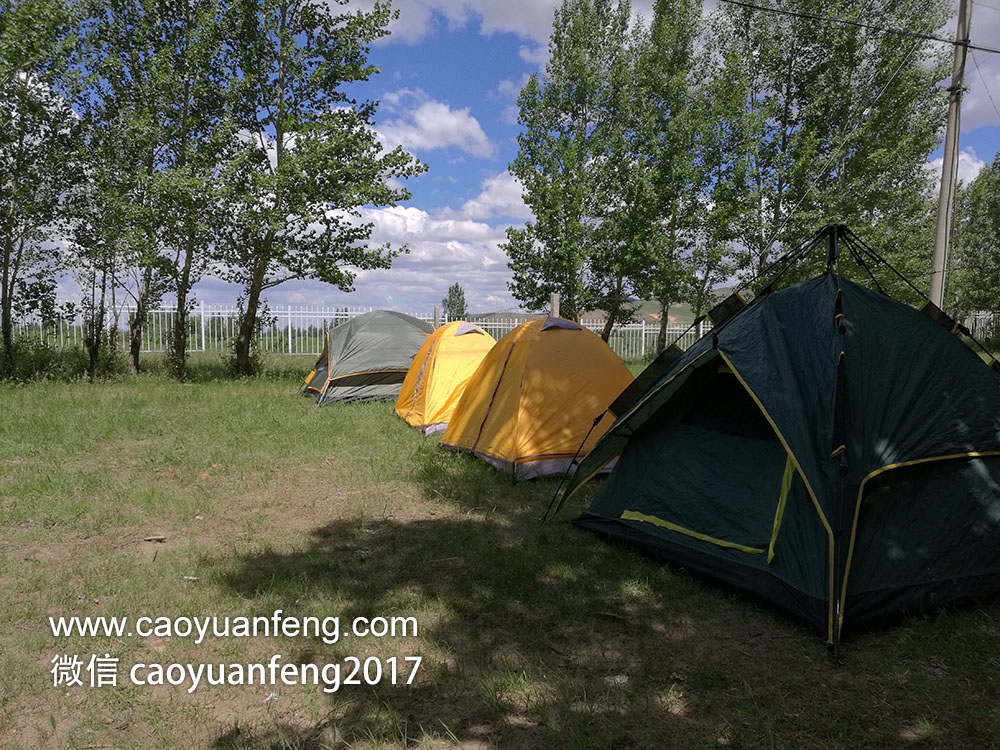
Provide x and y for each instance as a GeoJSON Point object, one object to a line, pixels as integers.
{"type": "Point", "coordinates": [827, 448]}
{"type": "Point", "coordinates": [367, 357]}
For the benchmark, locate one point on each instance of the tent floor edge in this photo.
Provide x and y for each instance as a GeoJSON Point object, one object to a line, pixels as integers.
{"type": "Point", "coordinates": [893, 603]}
{"type": "Point", "coordinates": [744, 579]}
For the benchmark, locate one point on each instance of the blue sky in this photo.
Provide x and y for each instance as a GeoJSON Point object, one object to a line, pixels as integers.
{"type": "Point", "coordinates": [451, 71]}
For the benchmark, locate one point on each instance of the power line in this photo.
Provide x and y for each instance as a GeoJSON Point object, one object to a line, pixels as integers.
{"type": "Point", "coordinates": [983, 79]}
{"type": "Point", "coordinates": [984, 5]}
{"type": "Point", "coordinates": [860, 24]}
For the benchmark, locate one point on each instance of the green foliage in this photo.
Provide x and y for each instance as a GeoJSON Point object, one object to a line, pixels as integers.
{"type": "Point", "coordinates": [308, 157]}
{"type": "Point", "coordinates": [975, 280]}
{"type": "Point", "coordinates": [563, 159]}
{"type": "Point", "coordinates": [820, 124]}
{"type": "Point", "coordinates": [38, 154]}
{"type": "Point", "coordinates": [652, 158]}
{"type": "Point", "coordinates": [35, 361]}
{"type": "Point", "coordinates": [155, 86]}
{"type": "Point", "coordinates": [454, 304]}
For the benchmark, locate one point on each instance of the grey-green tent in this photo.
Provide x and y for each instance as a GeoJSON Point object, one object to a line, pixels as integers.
{"type": "Point", "coordinates": [367, 357]}
{"type": "Point", "coordinates": [827, 448]}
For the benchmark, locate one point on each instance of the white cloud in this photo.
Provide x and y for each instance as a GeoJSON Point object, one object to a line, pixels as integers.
{"type": "Point", "coordinates": [537, 55]}
{"type": "Point", "coordinates": [501, 195]}
{"type": "Point", "coordinates": [425, 124]}
{"type": "Point", "coordinates": [508, 89]}
{"type": "Point", "coordinates": [510, 114]}
{"type": "Point", "coordinates": [969, 166]}
{"type": "Point", "coordinates": [442, 251]}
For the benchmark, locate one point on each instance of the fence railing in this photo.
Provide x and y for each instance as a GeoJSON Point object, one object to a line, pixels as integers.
{"type": "Point", "coordinates": [984, 325]}
{"type": "Point", "coordinates": [299, 330]}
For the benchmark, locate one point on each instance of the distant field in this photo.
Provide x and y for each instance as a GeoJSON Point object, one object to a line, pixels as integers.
{"type": "Point", "coordinates": [532, 636]}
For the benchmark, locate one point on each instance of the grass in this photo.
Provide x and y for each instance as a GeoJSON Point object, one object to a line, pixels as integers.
{"type": "Point", "coordinates": [532, 636]}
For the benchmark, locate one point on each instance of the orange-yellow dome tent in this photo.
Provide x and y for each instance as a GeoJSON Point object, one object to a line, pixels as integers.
{"type": "Point", "coordinates": [535, 396]}
{"type": "Point", "coordinates": [439, 373]}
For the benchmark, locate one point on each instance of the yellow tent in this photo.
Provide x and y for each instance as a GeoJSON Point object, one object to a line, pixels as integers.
{"type": "Point", "coordinates": [535, 396]}
{"type": "Point", "coordinates": [439, 373]}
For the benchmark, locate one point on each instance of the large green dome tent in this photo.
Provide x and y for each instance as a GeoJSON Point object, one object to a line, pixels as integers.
{"type": "Point", "coordinates": [367, 357]}
{"type": "Point", "coordinates": [825, 447]}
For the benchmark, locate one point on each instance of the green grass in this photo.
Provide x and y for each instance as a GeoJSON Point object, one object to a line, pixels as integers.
{"type": "Point", "coordinates": [532, 636]}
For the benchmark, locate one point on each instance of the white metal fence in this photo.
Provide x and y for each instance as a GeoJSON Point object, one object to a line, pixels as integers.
{"type": "Point", "coordinates": [984, 325]}
{"type": "Point", "coordinates": [299, 330]}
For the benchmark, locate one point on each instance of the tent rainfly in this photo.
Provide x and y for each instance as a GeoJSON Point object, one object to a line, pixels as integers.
{"type": "Point", "coordinates": [827, 448]}
{"type": "Point", "coordinates": [367, 357]}
{"type": "Point", "coordinates": [439, 374]}
{"type": "Point", "coordinates": [532, 402]}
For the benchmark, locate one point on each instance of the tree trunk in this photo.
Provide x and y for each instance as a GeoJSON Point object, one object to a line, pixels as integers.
{"type": "Point", "coordinates": [6, 304]}
{"type": "Point", "coordinates": [179, 344]}
{"type": "Point", "coordinates": [609, 325]}
{"type": "Point", "coordinates": [137, 324]}
{"type": "Point", "coordinates": [95, 324]}
{"type": "Point", "coordinates": [614, 310]}
{"type": "Point", "coordinates": [248, 323]}
{"type": "Point", "coordinates": [661, 337]}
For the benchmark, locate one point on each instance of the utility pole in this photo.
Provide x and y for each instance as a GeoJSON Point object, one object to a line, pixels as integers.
{"type": "Point", "coordinates": [949, 166]}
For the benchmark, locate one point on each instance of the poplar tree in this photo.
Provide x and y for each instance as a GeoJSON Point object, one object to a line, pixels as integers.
{"type": "Point", "coordinates": [454, 303]}
{"type": "Point", "coordinates": [837, 123]}
{"type": "Point", "coordinates": [308, 158]}
{"type": "Point", "coordinates": [155, 87]}
{"type": "Point", "coordinates": [39, 138]}
{"type": "Point", "coordinates": [562, 158]}
{"type": "Point", "coordinates": [671, 91]}
{"type": "Point", "coordinates": [975, 278]}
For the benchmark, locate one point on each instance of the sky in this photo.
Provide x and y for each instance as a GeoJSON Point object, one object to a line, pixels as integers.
{"type": "Point", "coordinates": [450, 74]}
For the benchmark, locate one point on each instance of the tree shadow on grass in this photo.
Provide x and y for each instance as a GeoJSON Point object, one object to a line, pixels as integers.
{"type": "Point", "coordinates": [532, 635]}
{"type": "Point", "coordinates": [542, 635]}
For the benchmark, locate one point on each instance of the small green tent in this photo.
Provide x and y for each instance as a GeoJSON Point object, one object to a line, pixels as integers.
{"type": "Point", "coordinates": [826, 447]}
{"type": "Point", "coordinates": [367, 357]}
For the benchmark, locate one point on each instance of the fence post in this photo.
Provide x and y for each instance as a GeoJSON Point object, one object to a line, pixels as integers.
{"type": "Point", "coordinates": [642, 346]}
{"type": "Point", "coordinates": [554, 304]}
{"type": "Point", "coordinates": [289, 329]}
{"type": "Point", "coordinates": [437, 317]}
{"type": "Point", "coordinates": [202, 317]}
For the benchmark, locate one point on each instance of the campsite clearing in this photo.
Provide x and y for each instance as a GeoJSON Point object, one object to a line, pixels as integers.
{"type": "Point", "coordinates": [531, 636]}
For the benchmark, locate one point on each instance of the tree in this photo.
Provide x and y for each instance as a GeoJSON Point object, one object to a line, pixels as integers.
{"type": "Point", "coordinates": [608, 161]}
{"type": "Point", "coordinates": [199, 137]}
{"type": "Point", "coordinates": [975, 280]}
{"type": "Point", "coordinates": [719, 180]}
{"type": "Point", "coordinates": [672, 93]}
{"type": "Point", "coordinates": [308, 158]}
{"type": "Point", "coordinates": [454, 304]}
{"type": "Point", "coordinates": [38, 165]}
{"type": "Point", "coordinates": [99, 240]}
{"type": "Point", "coordinates": [820, 122]}
{"type": "Point", "coordinates": [560, 157]}
{"type": "Point", "coordinates": [156, 80]}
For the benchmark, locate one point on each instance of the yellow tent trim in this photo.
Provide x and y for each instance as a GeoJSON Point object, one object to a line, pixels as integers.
{"type": "Point", "coordinates": [786, 485]}
{"type": "Point", "coordinates": [631, 515]}
{"type": "Point", "coordinates": [805, 480]}
{"type": "Point", "coordinates": [861, 492]}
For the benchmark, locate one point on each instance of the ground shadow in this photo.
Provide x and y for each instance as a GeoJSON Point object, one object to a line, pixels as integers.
{"type": "Point", "coordinates": [540, 636]}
